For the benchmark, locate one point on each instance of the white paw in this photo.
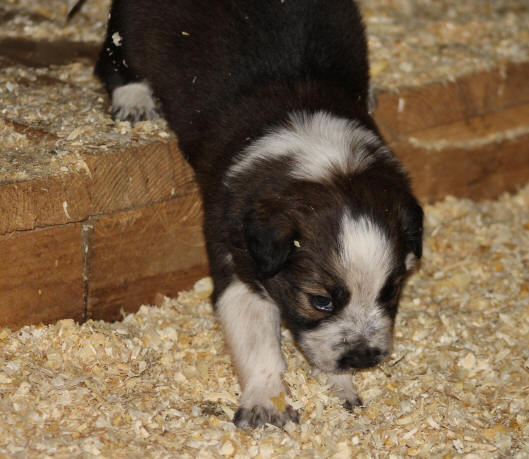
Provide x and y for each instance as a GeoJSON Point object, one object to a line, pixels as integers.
{"type": "Point", "coordinates": [259, 415]}
{"type": "Point", "coordinates": [133, 102]}
{"type": "Point", "coordinates": [342, 386]}
{"type": "Point", "coordinates": [260, 406]}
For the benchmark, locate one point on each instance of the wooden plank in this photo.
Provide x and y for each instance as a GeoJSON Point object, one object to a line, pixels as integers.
{"type": "Point", "coordinates": [129, 178]}
{"type": "Point", "coordinates": [142, 215]}
{"type": "Point", "coordinates": [109, 182]}
{"type": "Point", "coordinates": [43, 53]}
{"type": "Point", "coordinates": [477, 158]}
{"type": "Point", "coordinates": [515, 89]}
{"type": "Point", "coordinates": [41, 276]}
{"type": "Point", "coordinates": [126, 179]}
{"type": "Point", "coordinates": [412, 110]}
{"type": "Point", "coordinates": [138, 253]}
{"type": "Point", "coordinates": [111, 300]}
{"type": "Point", "coordinates": [43, 202]}
{"type": "Point", "coordinates": [484, 171]}
{"type": "Point", "coordinates": [480, 130]}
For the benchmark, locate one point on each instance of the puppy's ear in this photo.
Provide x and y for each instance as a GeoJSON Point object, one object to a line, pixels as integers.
{"type": "Point", "coordinates": [268, 234]}
{"type": "Point", "coordinates": [412, 225]}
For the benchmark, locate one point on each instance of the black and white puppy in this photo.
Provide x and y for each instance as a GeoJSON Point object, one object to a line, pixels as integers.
{"type": "Point", "coordinates": [309, 218]}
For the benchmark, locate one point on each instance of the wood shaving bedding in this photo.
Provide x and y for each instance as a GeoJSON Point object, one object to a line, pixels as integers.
{"type": "Point", "coordinates": [160, 383]}
{"type": "Point", "coordinates": [48, 20]}
{"type": "Point", "coordinates": [413, 42]}
{"type": "Point", "coordinates": [66, 104]}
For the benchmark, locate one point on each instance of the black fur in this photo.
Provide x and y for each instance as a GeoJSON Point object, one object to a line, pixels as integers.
{"type": "Point", "coordinates": [228, 70]}
{"type": "Point", "coordinates": [268, 245]}
{"type": "Point", "coordinates": [213, 63]}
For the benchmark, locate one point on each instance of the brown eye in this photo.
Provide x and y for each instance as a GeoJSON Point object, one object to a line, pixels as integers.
{"type": "Point", "coordinates": [321, 303]}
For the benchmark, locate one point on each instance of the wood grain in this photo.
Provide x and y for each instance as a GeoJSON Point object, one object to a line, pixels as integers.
{"type": "Point", "coordinates": [136, 254]}
{"type": "Point", "coordinates": [478, 173]}
{"type": "Point", "coordinates": [490, 128]}
{"type": "Point", "coordinates": [126, 179]}
{"type": "Point", "coordinates": [476, 158]}
{"type": "Point", "coordinates": [41, 276]}
{"type": "Point", "coordinates": [112, 182]}
{"type": "Point", "coordinates": [410, 110]}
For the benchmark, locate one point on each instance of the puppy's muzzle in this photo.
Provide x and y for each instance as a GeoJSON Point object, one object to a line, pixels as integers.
{"type": "Point", "coordinates": [361, 356]}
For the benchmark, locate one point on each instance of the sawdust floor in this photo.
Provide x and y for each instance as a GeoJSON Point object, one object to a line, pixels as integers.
{"type": "Point", "coordinates": [160, 384]}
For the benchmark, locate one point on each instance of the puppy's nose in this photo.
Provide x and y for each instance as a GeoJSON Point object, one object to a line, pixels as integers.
{"type": "Point", "coordinates": [361, 356]}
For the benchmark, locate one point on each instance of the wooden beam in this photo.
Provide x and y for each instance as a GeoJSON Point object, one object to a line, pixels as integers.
{"type": "Point", "coordinates": [41, 276]}
{"type": "Point", "coordinates": [411, 110]}
{"type": "Point", "coordinates": [477, 158]}
{"type": "Point", "coordinates": [107, 183]}
{"type": "Point", "coordinates": [136, 254]}
{"type": "Point", "coordinates": [127, 225]}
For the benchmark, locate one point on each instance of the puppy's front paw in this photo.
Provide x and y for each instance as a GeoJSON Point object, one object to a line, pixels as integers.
{"type": "Point", "coordinates": [259, 415]}
{"type": "Point", "coordinates": [342, 387]}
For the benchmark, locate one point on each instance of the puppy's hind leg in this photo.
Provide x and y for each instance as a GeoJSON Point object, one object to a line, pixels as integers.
{"type": "Point", "coordinates": [132, 98]}
{"type": "Point", "coordinates": [133, 102]}
{"type": "Point", "coordinates": [252, 329]}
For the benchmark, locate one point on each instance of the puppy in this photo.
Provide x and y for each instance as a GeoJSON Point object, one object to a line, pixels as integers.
{"type": "Point", "coordinates": [309, 218]}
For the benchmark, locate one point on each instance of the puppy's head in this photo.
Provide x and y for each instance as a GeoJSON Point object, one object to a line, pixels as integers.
{"type": "Point", "coordinates": [336, 274]}
{"type": "Point", "coordinates": [333, 250]}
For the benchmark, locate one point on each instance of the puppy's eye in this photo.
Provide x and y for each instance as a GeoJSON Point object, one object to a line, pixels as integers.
{"type": "Point", "coordinates": [321, 303]}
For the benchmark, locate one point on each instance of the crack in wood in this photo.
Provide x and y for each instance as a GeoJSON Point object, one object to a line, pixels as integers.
{"type": "Point", "coordinates": [86, 247]}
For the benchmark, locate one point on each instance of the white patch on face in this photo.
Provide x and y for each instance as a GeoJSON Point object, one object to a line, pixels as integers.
{"type": "Point", "coordinates": [318, 143]}
{"type": "Point", "coordinates": [133, 102]}
{"type": "Point", "coordinates": [364, 260]}
{"type": "Point", "coordinates": [251, 327]}
{"type": "Point", "coordinates": [365, 255]}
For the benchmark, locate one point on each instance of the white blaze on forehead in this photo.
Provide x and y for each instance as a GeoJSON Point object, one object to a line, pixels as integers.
{"type": "Point", "coordinates": [365, 256]}
{"type": "Point", "coordinates": [318, 143]}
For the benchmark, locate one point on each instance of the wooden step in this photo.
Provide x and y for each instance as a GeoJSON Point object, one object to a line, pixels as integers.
{"type": "Point", "coordinates": [102, 229]}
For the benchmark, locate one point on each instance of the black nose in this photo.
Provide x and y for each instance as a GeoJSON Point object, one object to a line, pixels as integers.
{"type": "Point", "coordinates": [360, 357]}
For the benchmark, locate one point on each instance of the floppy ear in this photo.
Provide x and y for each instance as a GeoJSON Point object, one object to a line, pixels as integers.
{"type": "Point", "coordinates": [412, 225]}
{"type": "Point", "coordinates": [268, 234]}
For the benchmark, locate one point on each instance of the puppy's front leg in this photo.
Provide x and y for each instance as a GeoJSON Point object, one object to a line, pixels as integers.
{"type": "Point", "coordinates": [252, 329]}
{"type": "Point", "coordinates": [342, 386]}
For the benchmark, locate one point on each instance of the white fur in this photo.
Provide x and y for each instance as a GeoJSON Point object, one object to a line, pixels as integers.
{"type": "Point", "coordinates": [366, 256]}
{"type": "Point", "coordinates": [318, 143]}
{"type": "Point", "coordinates": [342, 386]}
{"type": "Point", "coordinates": [252, 328]}
{"type": "Point", "coordinates": [134, 102]}
{"type": "Point", "coordinates": [364, 260]}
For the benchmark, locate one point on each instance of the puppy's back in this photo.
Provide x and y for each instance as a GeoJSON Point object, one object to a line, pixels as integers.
{"type": "Point", "coordinates": [206, 52]}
